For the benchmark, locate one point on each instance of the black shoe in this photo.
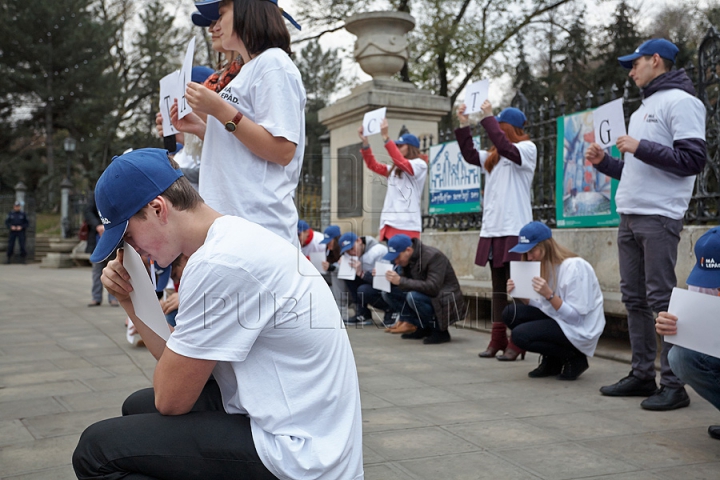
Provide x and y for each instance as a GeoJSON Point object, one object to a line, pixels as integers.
{"type": "Point", "coordinates": [667, 399]}
{"type": "Point", "coordinates": [573, 367]}
{"type": "Point", "coordinates": [418, 334]}
{"type": "Point", "coordinates": [358, 320]}
{"type": "Point", "coordinates": [437, 336]}
{"type": "Point", "coordinates": [390, 319]}
{"type": "Point", "coordinates": [714, 431]}
{"type": "Point", "coordinates": [630, 386]}
{"type": "Point", "coordinates": [549, 367]}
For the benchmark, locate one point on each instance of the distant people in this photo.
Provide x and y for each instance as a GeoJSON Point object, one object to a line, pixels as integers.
{"type": "Point", "coordinates": [368, 251]}
{"type": "Point", "coordinates": [96, 229]}
{"type": "Point", "coordinates": [17, 224]}
{"type": "Point", "coordinates": [564, 326]}
{"type": "Point", "coordinates": [402, 212]}
{"type": "Point", "coordinates": [429, 295]}
{"type": "Point", "coordinates": [699, 370]}
{"type": "Point", "coordinates": [310, 242]}
{"type": "Point", "coordinates": [254, 132]}
{"type": "Point", "coordinates": [331, 237]}
{"type": "Point", "coordinates": [663, 152]}
{"type": "Point", "coordinates": [509, 166]}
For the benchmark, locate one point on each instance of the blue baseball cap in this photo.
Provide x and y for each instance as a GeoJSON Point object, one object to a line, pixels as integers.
{"type": "Point", "coordinates": [333, 231]}
{"type": "Point", "coordinates": [303, 226]}
{"type": "Point", "coordinates": [210, 9]}
{"type": "Point", "coordinates": [129, 183]}
{"type": "Point", "coordinates": [665, 48]}
{"type": "Point", "coordinates": [396, 245]}
{"type": "Point", "coordinates": [199, 20]}
{"type": "Point", "coordinates": [706, 272]}
{"type": "Point", "coordinates": [530, 235]}
{"type": "Point", "coordinates": [347, 240]}
{"type": "Point", "coordinates": [200, 73]}
{"type": "Point", "coordinates": [408, 139]}
{"type": "Point", "coordinates": [513, 116]}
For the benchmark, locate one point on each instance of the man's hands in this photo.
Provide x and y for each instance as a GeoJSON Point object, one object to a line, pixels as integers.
{"type": "Point", "coordinates": [171, 303]}
{"type": "Point", "coordinates": [392, 277]}
{"type": "Point", "coordinates": [627, 144]}
{"type": "Point", "coordinates": [117, 281]}
{"type": "Point", "coordinates": [666, 324]}
{"type": "Point", "coordinates": [594, 154]}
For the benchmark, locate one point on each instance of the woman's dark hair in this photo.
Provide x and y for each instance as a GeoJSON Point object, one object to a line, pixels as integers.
{"type": "Point", "coordinates": [260, 26]}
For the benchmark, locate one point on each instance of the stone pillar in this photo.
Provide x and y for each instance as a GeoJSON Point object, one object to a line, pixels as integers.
{"type": "Point", "coordinates": [20, 190]}
{"type": "Point", "coordinates": [65, 188]}
{"type": "Point", "coordinates": [357, 194]}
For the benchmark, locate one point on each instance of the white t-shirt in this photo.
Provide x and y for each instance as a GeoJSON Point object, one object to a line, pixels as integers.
{"type": "Point", "coordinates": [402, 209]}
{"type": "Point", "coordinates": [578, 286]}
{"type": "Point", "coordinates": [283, 357]}
{"type": "Point", "coordinates": [664, 117]}
{"type": "Point", "coordinates": [234, 181]}
{"type": "Point", "coordinates": [506, 199]}
{"type": "Point", "coordinates": [314, 245]}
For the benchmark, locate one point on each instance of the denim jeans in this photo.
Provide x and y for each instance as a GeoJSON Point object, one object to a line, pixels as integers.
{"type": "Point", "coordinates": [700, 371]}
{"type": "Point", "coordinates": [414, 307]}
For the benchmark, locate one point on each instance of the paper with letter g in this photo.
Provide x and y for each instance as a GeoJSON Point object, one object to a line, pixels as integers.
{"type": "Point", "coordinates": [609, 123]}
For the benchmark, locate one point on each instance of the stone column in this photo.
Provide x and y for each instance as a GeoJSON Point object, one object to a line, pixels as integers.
{"type": "Point", "coordinates": [357, 194]}
{"type": "Point", "coordinates": [20, 190]}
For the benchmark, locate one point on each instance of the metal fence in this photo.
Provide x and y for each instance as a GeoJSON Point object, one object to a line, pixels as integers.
{"type": "Point", "coordinates": [542, 128]}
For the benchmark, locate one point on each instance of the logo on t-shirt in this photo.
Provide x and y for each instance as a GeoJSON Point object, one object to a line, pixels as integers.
{"type": "Point", "coordinates": [229, 97]}
{"type": "Point", "coordinates": [650, 118]}
{"type": "Point", "coordinates": [709, 263]}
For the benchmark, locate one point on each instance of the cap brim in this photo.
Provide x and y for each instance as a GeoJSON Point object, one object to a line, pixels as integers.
{"type": "Point", "coordinates": [627, 60]}
{"type": "Point", "coordinates": [523, 247]}
{"type": "Point", "coordinates": [390, 256]}
{"type": "Point", "coordinates": [108, 242]}
{"type": "Point", "coordinates": [325, 241]}
{"type": "Point", "coordinates": [704, 278]}
{"type": "Point", "coordinates": [345, 249]}
{"type": "Point", "coordinates": [200, 21]}
{"type": "Point", "coordinates": [209, 10]}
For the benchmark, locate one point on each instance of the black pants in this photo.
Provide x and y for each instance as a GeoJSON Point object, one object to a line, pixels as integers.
{"type": "Point", "coordinates": [11, 243]}
{"type": "Point", "coordinates": [206, 443]}
{"type": "Point", "coordinates": [534, 331]}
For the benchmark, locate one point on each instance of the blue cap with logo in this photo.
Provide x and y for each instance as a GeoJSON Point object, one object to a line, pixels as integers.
{"type": "Point", "coordinates": [303, 226]}
{"type": "Point", "coordinates": [530, 235]}
{"type": "Point", "coordinates": [129, 183]}
{"type": "Point", "coordinates": [199, 20]}
{"type": "Point", "coordinates": [408, 139]}
{"type": "Point", "coordinates": [333, 231]}
{"type": "Point", "coordinates": [513, 116]}
{"type": "Point", "coordinates": [706, 273]}
{"type": "Point", "coordinates": [396, 245]}
{"type": "Point", "coordinates": [665, 48]}
{"type": "Point", "coordinates": [211, 9]}
{"type": "Point", "coordinates": [347, 240]}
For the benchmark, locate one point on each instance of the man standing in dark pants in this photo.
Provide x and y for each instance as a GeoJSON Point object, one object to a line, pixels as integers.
{"type": "Point", "coordinates": [16, 224]}
{"type": "Point", "coordinates": [664, 149]}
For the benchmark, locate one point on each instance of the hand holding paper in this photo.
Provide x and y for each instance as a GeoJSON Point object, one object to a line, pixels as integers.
{"type": "Point", "coordinates": [522, 274]}
{"type": "Point", "coordinates": [380, 282]}
{"type": "Point", "coordinates": [317, 259]}
{"type": "Point", "coordinates": [371, 121]}
{"type": "Point", "coordinates": [698, 323]}
{"type": "Point", "coordinates": [346, 271]}
{"type": "Point", "coordinates": [475, 94]}
{"type": "Point", "coordinates": [609, 123]}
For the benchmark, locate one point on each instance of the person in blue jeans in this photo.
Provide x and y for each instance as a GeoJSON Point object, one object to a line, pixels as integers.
{"type": "Point", "coordinates": [700, 371]}
{"type": "Point", "coordinates": [428, 294]}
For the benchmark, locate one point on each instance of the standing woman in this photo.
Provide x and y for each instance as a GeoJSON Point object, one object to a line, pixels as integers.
{"type": "Point", "coordinates": [509, 167]}
{"type": "Point", "coordinates": [255, 132]}
{"type": "Point", "coordinates": [565, 325]}
{"type": "Point", "coordinates": [401, 211]}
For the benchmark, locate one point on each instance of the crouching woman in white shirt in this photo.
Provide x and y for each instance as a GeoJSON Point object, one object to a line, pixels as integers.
{"type": "Point", "coordinates": [565, 325]}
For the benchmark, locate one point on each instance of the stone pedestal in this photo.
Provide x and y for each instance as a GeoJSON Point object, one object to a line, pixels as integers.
{"type": "Point", "coordinates": [57, 260]}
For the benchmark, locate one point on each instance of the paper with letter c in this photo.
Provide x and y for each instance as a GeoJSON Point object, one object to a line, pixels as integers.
{"type": "Point", "coordinates": [698, 321]}
{"type": "Point", "coordinates": [345, 270]}
{"type": "Point", "coordinates": [522, 274]}
{"type": "Point", "coordinates": [609, 123]}
{"type": "Point", "coordinates": [475, 94]}
{"type": "Point", "coordinates": [379, 280]}
{"type": "Point", "coordinates": [371, 121]}
{"type": "Point", "coordinates": [185, 78]}
{"type": "Point", "coordinates": [168, 90]}
{"type": "Point", "coordinates": [143, 297]}
{"type": "Point", "coordinates": [317, 259]}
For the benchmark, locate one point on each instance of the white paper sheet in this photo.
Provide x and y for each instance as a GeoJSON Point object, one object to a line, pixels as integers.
{"type": "Point", "coordinates": [698, 321]}
{"type": "Point", "coordinates": [522, 274]}
{"type": "Point", "coordinates": [143, 297]}
{"type": "Point", "coordinates": [379, 280]}
{"type": "Point", "coordinates": [475, 94]}
{"type": "Point", "coordinates": [609, 123]}
{"type": "Point", "coordinates": [168, 88]}
{"type": "Point", "coordinates": [345, 270]}
{"type": "Point", "coordinates": [317, 259]}
{"type": "Point", "coordinates": [371, 121]}
{"type": "Point", "coordinates": [185, 78]}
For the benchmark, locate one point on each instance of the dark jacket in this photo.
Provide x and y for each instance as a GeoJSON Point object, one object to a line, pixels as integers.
{"type": "Point", "coordinates": [93, 220]}
{"type": "Point", "coordinates": [15, 219]}
{"type": "Point", "coordinates": [429, 272]}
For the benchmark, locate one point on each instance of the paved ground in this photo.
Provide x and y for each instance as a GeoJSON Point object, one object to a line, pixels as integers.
{"type": "Point", "coordinates": [429, 412]}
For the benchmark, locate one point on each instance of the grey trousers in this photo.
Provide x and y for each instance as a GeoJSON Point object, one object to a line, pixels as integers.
{"type": "Point", "coordinates": [97, 286]}
{"type": "Point", "coordinates": [647, 246]}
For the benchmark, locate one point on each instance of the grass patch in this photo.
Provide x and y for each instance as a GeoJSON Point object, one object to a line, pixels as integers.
{"type": "Point", "coordinates": [48, 223]}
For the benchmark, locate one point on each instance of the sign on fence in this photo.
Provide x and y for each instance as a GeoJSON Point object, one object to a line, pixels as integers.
{"type": "Point", "coordinates": [454, 184]}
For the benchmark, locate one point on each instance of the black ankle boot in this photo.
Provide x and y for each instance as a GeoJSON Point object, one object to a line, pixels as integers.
{"type": "Point", "coordinates": [549, 367]}
{"type": "Point", "coordinates": [573, 367]}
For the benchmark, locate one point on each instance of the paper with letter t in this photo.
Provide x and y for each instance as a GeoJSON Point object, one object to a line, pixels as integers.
{"type": "Point", "coordinates": [522, 274]}
{"type": "Point", "coordinates": [475, 94]}
{"type": "Point", "coordinates": [143, 297]}
{"type": "Point", "coordinates": [609, 123]}
{"type": "Point", "coordinates": [168, 90]}
{"type": "Point", "coordinates": [698, 325]}
{"type": "Point", "coordinates": [185, 78]}
{"type": "Point", "coordinates": [371, 121]}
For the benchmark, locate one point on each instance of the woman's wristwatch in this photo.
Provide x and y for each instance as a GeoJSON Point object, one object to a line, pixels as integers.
{"type": "Point", "coordinates": [552, 295]}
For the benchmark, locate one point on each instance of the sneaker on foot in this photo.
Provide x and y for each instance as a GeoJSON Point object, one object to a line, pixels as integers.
{"type": "Point", "coordinates": [358, 320]}
{"type": "Point", "coordinates": [714, 431]}
{"type": "Point", "coordinates": [630, 386]}
{"type": "Point", "coordinates": [666, 398]}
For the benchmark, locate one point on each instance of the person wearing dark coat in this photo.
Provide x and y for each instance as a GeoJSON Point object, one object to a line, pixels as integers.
{"type": "Point", "coordinates": [430, 294]}
{"type": "Point", "coordinates": [16, 223]}
{"type": "Point", "coordinates": [96, 229]}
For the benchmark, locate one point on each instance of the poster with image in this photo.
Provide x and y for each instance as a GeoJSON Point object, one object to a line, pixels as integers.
{"type": "Point", "coordinates": [584, 196]}
{"type": "Point", "coordinates": [454, 185]}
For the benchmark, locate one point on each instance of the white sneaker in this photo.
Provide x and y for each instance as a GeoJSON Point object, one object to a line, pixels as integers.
{"type": "Point", "coordinates": [132, 336]}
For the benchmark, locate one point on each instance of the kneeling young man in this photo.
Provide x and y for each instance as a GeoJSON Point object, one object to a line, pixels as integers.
{"type": "Point", "coordinates": [283, 399]}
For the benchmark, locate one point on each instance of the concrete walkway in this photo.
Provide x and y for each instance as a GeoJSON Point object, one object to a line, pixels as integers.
{"type": "Point", "coordinates": [429, 412]}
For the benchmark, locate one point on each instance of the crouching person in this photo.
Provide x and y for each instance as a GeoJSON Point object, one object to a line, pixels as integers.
{"type": "Point", "coordinates": [257, 380]}
{"type": "Point", "coordinates": [429, 297]}
{"type": "Point", "coordinates": [565, 325]}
